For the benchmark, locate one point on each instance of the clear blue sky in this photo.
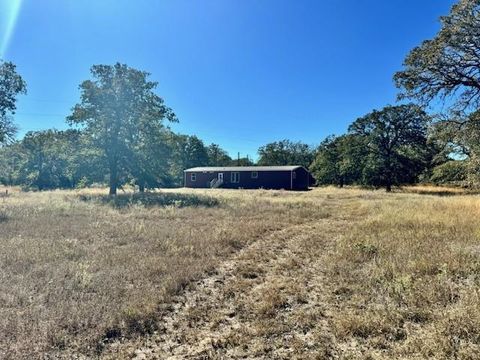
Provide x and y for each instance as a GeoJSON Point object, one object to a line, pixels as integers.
{"type": "Point", "coordinates": [240, 73]}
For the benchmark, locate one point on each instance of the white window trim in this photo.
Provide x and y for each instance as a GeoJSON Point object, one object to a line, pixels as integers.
{"type": "Point", "coordinates": [256, 174]}
{"type": "Point", "coordinates": [233, 175]}
{"type": "Point", "coordinates": [193, 177]}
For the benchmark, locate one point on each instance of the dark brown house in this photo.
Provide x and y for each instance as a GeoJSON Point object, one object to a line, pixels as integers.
{"type": "Point", "coordinates": [249, 177]}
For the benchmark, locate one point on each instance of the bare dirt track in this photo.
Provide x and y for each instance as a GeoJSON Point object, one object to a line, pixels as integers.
{"type": "Point", "coordinates": [268, 301]}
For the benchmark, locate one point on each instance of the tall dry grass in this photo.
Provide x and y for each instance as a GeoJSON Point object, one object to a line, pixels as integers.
{"type": "Point", "coordinates": [407, 278]}
{"type": "Point", "coordinates": [78, 269]}
{"type": "Point", "coordinates": [364, 274]}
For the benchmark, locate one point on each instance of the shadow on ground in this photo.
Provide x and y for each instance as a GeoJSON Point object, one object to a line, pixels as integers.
{"type": "Point", "coordinates": [152, 199]}
{"type": "Point", "coordinates": [440, 192]}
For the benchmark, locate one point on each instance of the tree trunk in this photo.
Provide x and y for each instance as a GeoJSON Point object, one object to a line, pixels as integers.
{"type": "Point", "coordinates": [113, 187]}
{"type": "Point", "coordinates": [113, 178]}
{"type": "Point", "coordinates": [388, 172]}
{"type": "Point", "coordinates": [141, 187]}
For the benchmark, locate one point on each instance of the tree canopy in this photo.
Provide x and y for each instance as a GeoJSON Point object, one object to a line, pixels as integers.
{"type": "Point", "coordinates": [396, 137]}
{"type": "Point", "coordinates": [286, 152]}
{"type": "Point", "coordinates": [217, 156]}
{"type": "Point", "coordinates": [339, 160]}
{"type": "Point", "coordinates": [120, 111]}
{"type": "Point", "coordinates": [11, 84]}
{"type": "Point", "coordinates": [449, 64]}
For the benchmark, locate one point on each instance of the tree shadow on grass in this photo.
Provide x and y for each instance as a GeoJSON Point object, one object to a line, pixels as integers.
{"type": "Point", "coordinates": [153, 199]}
{"type": "Point", "coordinates": [441, 192]}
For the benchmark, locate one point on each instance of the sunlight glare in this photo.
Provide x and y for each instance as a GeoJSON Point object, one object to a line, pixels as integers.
{"type": "Point", "coordinates": [9, 10]}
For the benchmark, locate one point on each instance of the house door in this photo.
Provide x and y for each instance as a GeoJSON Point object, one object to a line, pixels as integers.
{"type": "Point", "coordinates": [220, 177]}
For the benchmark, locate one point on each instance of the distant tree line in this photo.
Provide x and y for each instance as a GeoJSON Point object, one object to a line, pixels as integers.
{"type": "Point", "coordinates": [119, 136]}
{"type": "Point", "coordinates": [51, 159]}
{"type": "Point", "coordinates": [120, 130]}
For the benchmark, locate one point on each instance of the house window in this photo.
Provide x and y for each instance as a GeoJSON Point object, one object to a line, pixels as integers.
{"type": "Point", "coordinates": [235, 177]}
{"type": "Point", "coordinates": [294, 175]}
{"type": "Point", "coordinates": [254, 174]}
{"type": "Point", "coordinates": [193, 177]}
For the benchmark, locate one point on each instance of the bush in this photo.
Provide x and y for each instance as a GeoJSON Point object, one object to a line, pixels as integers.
{"type": "Point", "coordinates": [451, 172]}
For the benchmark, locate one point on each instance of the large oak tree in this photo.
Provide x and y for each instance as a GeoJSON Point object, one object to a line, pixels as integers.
{"type": "Point", "coordinates": [447, 66]}
{"type": "Point", "coordinates": [120, 110]}
{"type": "Point", "coordinates": [396, 137]}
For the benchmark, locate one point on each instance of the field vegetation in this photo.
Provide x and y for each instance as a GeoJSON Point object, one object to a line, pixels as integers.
{"type": "Point", "coordinates": [79, 269]}
{"type": "Point", "coordinates": [336, 272]}
{"type": "Point", "coordinates": [374, 277]}
{"type": "Point", "coordinates": [330, 273]}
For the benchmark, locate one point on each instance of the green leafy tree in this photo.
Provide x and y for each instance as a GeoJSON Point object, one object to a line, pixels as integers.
{"type": "Point", "coordinates": [11, 84]}
{"type": "Point", "coordinates": [84, 162]}
{"type": "Point", "coordinates": [460, 137]}
{"type": "Point", "coordinates": [354, 152]}
{"type": "Point", "coordinates": [191, 151]}
{"type": "Point", "coordinates": [453, 172]}
{"type": "Point", "coordinates": [217, 156]}
{"type": "Point", "coordinates": [448, 64]}
{"type": "Point", "coordinates": [188, 152]}
{"type": "Point", "coordinates": [460, 140]}
{"type": "Point", "coordinates": [396, 137]}
{"type": "Point", "coordinates": [447, 68]}
{"type": "Point", "coordinates": [119, 106]}
{"type": "Point", "coordinates": [56, 159]}
{"type": "Point", "coordinates": [150, 164]}
{"type": "Point", "coordinates": [447, 141]}
{"type": "Point", "coordinates": [326, 165]}
{"type": "Point", "coordinates": [285, 152]}
{"type": "Point", "coordinates": [339, 160]}
{"type": "Point", "coordinates": [11, 157]}
{"type": "Point", "coordinates": [242, 161]}
{"type": "Point", "coordinates": [44, 160]}
{"type": "Point", "coordinates": [196, 153]}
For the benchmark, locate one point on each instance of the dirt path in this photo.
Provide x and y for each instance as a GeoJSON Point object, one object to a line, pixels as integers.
{"type": "Point", "coordinates": [268, 301]}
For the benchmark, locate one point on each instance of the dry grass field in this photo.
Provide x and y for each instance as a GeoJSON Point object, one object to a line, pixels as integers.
{"type": "Point", "coordinates": [77, 270]}
{"type": "Point", "coordinates": [330, 273]}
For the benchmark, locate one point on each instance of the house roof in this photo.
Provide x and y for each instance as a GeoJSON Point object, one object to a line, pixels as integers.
{"type": "Point", "coordinates": [243, 168]}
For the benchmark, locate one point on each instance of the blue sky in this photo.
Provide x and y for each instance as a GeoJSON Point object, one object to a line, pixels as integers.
{"type": "Point", "coordinates": [240, 73]}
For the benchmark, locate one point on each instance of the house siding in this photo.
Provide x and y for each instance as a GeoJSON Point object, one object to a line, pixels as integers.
{"type": "Point", "coordinates": [302, 179]}
{"type": "Point", "coordinates": [265, 179]}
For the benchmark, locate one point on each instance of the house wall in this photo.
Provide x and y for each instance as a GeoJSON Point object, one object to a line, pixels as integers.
{"type": "Point", "coordinates": [302, 179]}
{"type": "Point", "coordinates": [266, 179]}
